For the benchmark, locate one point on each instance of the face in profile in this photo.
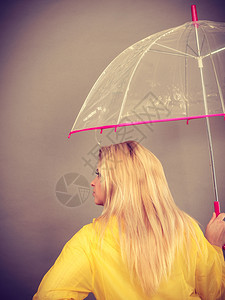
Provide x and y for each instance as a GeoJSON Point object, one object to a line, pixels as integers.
{"type": "Point", "coordinates": [98, 191]}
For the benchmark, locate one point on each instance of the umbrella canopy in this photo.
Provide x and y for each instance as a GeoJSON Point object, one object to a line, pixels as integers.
{"type": "Point", "coordinates": [175, 74]}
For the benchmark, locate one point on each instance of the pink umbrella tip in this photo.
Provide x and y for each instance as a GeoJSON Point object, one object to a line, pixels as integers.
{"type": "Point", "coordinates": [194, 13]}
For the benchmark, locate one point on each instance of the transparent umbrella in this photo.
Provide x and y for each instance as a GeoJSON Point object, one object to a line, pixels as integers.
{"type": "Point", "coordinates": [176, 74]}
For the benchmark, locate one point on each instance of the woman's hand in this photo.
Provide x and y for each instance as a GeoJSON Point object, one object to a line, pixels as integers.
{"type": "Point", "coordinates": [215, 230]}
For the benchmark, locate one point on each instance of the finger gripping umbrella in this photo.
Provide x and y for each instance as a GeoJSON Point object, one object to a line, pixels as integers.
{"type": "Point", "coordinates": [176, 74]}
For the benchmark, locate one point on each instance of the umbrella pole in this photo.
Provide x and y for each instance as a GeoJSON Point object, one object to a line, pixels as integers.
{"type": "Point", "coordinates": [200, 65]}
{"type": "Point", "coordinates": [212, 160]}
{"type": "Point", "coordinates": [216, 203]}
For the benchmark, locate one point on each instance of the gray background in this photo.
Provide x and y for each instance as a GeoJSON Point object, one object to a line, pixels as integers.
{"type": "Point", "coordinates": [52, 52]}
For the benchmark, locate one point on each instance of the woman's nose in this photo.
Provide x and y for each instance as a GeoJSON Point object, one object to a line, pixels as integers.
{"type": "Point", "coordinates": [93, 183]}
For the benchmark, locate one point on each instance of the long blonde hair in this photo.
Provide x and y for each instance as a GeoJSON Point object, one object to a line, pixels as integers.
{"type": "Point", "coordinates": [151, 225]}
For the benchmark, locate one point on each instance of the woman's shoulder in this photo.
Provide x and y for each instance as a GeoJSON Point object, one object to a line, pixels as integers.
{"type": "Point", "coordinates": [94, 228]}
{"type": "Point", "coordinates": [90, 235]}
{"type": "Point", "coordinates": [83, 236]}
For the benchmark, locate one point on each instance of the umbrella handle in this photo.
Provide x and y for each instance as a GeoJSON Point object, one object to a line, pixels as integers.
{"type": "Point", "coordinates": [217, 211]}
{"type": "Point", "coordinates": [217, 208]}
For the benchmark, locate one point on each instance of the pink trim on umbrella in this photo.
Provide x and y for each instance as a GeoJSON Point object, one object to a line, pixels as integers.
{"type": "Point", "coordinates": [144, 122]}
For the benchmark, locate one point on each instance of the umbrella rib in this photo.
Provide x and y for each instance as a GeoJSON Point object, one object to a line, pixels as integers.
{"type": "Point", "coordinates": [215, 73]}
{"type": "Point", "coordinates": [128, 86]}
{"type": "Point", "coordinates": [214, 52]}
{"type": "Point", "coordinates": [137, 64]}
{"type": "Point", "coordinates": [170, 53]}
{"type": "Point", "coordinates": [175, 50]}
{"type": "Point", "coordinates": [192, 50]}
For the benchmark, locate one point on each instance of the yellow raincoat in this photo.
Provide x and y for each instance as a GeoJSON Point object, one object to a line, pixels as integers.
{"type": "Point", "coordinates": [83, 267]}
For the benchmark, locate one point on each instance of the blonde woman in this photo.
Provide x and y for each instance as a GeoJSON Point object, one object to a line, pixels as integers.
{"type": "Point", "coordinates": [142, 246]}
